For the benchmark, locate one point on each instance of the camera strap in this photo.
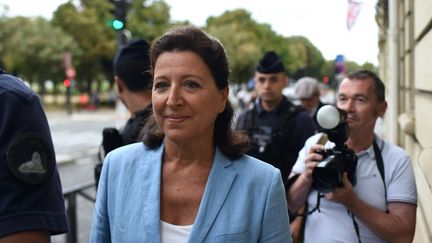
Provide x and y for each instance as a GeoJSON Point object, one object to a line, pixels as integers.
{"type": "Point", "coordinates": [356, 227]}
{"type": "Point", "coordinates": [380, 165]}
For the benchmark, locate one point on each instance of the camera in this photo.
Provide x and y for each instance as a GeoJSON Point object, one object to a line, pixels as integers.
{"type": "Point", "coordinates": [327, 175]}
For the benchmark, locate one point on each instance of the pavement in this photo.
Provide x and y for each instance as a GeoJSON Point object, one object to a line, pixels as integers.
{"type": "Point", "coordinates": [79, 134]}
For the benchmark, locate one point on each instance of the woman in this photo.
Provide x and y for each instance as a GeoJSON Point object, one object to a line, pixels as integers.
{"type": "Point", "coordinates": [189, 181]}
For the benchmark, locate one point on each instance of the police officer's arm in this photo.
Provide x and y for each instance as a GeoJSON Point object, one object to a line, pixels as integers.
{"type": "Point", "coordinates": [27, 236]}
{"type": "Point", "coordinates": [31, 204]}
{"type": "Point", "coordinates": [299, 190]}
{"type": "Point", "coordinates": [398, 225]}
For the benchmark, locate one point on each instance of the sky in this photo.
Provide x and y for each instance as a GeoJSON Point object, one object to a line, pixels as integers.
{"type": "Point", "coordinates": [323, 22]}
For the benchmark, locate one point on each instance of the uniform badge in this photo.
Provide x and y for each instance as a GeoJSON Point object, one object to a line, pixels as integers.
{"type": "Point", "coordinates": [262, 137]}
{"type": "Point", "coordinates": [30, 158]}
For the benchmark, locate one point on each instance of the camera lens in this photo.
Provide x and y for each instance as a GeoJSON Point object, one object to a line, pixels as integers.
{"type": "Point", "coordinates": [326, 179]}
{"type": "Point", "coordinates": [328, 173]}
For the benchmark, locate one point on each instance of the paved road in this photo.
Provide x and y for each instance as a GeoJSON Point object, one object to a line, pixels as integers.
{"type": "Point", "coordinates": [79, 135]}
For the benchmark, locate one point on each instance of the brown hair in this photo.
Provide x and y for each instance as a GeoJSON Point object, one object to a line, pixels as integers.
{"type": "Point", "coordinates": [366, 74]}
{"type": "Point", "coordinates": [186, 38]}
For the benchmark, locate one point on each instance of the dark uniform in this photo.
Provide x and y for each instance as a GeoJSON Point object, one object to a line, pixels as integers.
{"type": "Point", "coordinates": [278, 135]}
{"type": "Point", "coordinates": [31, 196]}
{"type": "Point", "coordinates": [131, 66]}
{"type": "Point", "coordinates": [130, 133]}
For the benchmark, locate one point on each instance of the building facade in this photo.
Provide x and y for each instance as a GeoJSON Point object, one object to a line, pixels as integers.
{"type": "Point", "coordinates": [405, 43]}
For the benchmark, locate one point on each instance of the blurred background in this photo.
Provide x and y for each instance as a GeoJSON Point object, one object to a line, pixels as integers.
{"type": "Point", "coordinates": [64, 50]}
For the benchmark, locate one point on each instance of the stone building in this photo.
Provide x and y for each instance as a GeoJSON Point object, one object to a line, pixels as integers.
{"type": "Point", "coordinates": [405, 43]}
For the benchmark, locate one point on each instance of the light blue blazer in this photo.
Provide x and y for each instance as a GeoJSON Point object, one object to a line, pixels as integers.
{"type": "Point", "coordinates": [244, 200]}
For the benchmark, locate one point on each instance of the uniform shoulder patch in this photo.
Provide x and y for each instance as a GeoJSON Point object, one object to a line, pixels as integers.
{"type": "Point", "coordinates": [31, 158]}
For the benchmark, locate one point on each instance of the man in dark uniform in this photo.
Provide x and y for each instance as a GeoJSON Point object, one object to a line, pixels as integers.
{"type": "Point", "coordinates": [307, 91]}
{"type": "Point", "coordinates": [133, 82]}
{"type": "Point", "coordinates": [31, 198]}
{"type": "Point", "coordinates": [276, 127]}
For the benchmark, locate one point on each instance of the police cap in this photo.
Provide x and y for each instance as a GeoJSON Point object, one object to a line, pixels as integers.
{"type": "Point", "coordinates": [270, 63]}
{"type": "Point", "coordinates": [132, 65]}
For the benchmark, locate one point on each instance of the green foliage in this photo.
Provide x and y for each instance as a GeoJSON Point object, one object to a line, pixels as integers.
{"type": "Point", "coordinates": [33, 48]}
{"type": "Point", "coordinates": [96, 40]}
{"type": "Point", "coordinates": [88, 25]}
{"type": "Point", "coordinates": [235, 30]}
{"type": "Point", "coordinates": [306, 59]}
{"type": "Point", "coordinates": [148, 21]}
{"type": "Point", "coordinates": [370, 66]}
{"type": "Point", "coordinates": [245, 41]}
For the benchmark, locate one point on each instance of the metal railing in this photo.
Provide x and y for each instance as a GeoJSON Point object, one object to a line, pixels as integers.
{"type": "Point", "coordinates": [70, 195]}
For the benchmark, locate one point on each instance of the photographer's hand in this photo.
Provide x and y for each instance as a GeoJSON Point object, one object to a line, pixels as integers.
{"type": "Point", "coordinates": [345, 194]}
{"type": "Point", "coordinates": [312, 161]}
{"type": "Point", "coordinates": [299, 190]}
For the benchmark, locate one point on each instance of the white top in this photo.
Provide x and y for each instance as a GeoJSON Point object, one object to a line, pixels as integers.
{"type": "Point", "coordinates": [333, 224]}
{"type": "Point", "coordinates": [171, 233]}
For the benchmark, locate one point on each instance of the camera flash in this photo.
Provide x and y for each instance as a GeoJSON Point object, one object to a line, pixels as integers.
{"type": "Point", "coordinates": [328, 117]}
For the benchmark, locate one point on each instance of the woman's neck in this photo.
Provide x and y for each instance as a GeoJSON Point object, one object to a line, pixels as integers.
{"type": "Point", "coordinates": [188, 153]}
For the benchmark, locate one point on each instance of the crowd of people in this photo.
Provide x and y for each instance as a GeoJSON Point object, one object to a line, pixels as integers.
{"type": "Point", "coordinates": [188, 167]}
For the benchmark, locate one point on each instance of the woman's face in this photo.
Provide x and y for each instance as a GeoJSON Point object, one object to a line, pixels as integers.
{"type": "Point", "coordinates": [186, 100]}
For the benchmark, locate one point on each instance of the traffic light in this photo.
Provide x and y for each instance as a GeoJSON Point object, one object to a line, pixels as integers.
{"type": "Point", "coordinates": [326, 79]}
{"type": "Point", "coordinates": [117, 24]}
{"type": "Point", "coordinates": [67, 83]}
{"type": "Point", "coordinates": [120, 11]}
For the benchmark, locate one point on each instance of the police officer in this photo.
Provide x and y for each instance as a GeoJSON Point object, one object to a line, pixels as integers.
{"type": "Point", "coordinates": [133, 82]}
{"type": "Point", "coordinates": [31, 199]}
{"type": "Point", "coordinates": [277, 128]}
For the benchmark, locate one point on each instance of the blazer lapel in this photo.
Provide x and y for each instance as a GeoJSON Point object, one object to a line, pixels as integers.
{"type": "Point", "coordinates": [218, 186]}
{"type": "Point", "coordinates": [151, 183]}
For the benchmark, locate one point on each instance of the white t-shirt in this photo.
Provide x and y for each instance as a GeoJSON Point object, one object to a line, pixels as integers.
{"type": "Point", "coordinates": [333, 223]}
{"type": "Point", "coordinates": [171, 233]}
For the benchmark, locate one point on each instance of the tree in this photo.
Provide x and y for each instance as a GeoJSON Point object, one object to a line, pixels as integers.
{"type": "Point", "coordinates": [306, 59]}
{"type": "Point", "coordinates": [33, 49]}
{"type": "Point", "coordinates": [370, 66]}
{"type": "Point", "coordinates": [245, 41]}
{"type": "Point", "coordinates": [87, 25]}
{"type": "Point", "coordinates": [90, 28]}
{"type": "Point", "coordinates": [148, 21]}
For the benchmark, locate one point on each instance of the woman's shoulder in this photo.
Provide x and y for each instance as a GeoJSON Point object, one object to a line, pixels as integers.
{"type": "Point", "coordinates": [130, 149]}
{"type": "Point", "coordinates": [131, 153]}
{"type": "Point", "coordinates": [251, 166]}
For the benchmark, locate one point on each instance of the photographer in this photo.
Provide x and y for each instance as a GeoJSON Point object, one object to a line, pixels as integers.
{"type": "Point", "coordinates": [381, 206]}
